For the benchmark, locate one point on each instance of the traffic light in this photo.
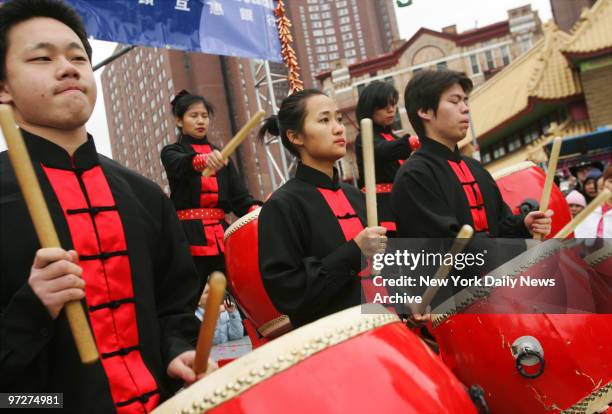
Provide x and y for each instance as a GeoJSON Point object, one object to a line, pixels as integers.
{"type": "Point", "coordinates": [403, 3]}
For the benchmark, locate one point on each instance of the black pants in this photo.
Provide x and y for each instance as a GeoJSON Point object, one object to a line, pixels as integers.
{"type": "Point", "coordinates": [205, 265]}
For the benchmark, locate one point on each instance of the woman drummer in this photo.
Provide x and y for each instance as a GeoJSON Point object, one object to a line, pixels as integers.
{"type": "Point", "coordinates": [202, 202]}
{"type": "Point", "coordinates": [378, 101]}
{"type": "Point", "coordinates": [311, 232]}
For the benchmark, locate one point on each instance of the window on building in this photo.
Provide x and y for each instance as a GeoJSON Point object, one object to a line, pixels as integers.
{"type": "Point", "coordinates": [485, 157]}
{"type": "Point", "coordinates": [325, 7]}
{"type": "Point", "coordinates": [334, 56]}
{"type": "Point", "coordinates": [347, 36]}
{"type": "Point", "coordinates": [475, 65]}
{"type": "Point", "coordinates": [505, 52]}
{"type": "Point", "coordinates": [348, 45]}
{"type": "Point", "coordinates": [328, 23]}
{"type": "Point", "coordinates": [317, 33]}
{"type": "Point", "coordinates": [315, 16]}
{"type": "Point", "coordinates": [343, 12]}
{"type": "Point", "coordinates": [525, 44]}
{"type": "Point", "coordinates": [326, 15]}
{"type": "Point", "coordinates": [331, 39]}
{"type": "Point", "coordinates": [313, 8]}
{"type": "Point", "coordinates": [321, 49]}
{"type": "Point", "coordinates": [330, 31]}
{"type": "Point", "coordinates": [340, 4]}
{"type": "Point", "coordinates": [319, 41]}
{"type": "Point", "coordinates": [332, 48]}
{"type": "Point", "coordinates": [490, 60]}
{"type": "Point", "coordinates": [499, 150]}
{"type": "Point", "coordinates": [345, 20]}
{"type": "Point", "coordinates": [350, 53]}
{"type": "Point", "coordinates": [514, 143]}
{"type": "Point", "coordinates": [317, 25]}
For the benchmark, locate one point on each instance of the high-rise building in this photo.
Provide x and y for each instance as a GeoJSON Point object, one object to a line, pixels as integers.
{"type": "Point", "coordinates": [325, 31]}
{"type": "Point", "coordinates": [138, 88]}
{"type": "Point", "coordinates": [567, 12]}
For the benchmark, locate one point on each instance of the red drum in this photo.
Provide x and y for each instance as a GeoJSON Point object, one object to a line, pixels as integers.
{"type": "Point", "coordinates": [348, 362]}
{"type": "Point", "coordinates": [524, 180]}
{"type": "Point", "coordinates": [242, 267]}
{"type": "Point", "coordinates": [527, 361]}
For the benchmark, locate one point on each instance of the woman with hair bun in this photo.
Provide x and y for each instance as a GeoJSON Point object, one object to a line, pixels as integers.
{"type": "Point", "coordinates": [378, 101]}
{"type": "Point", "coordinates": [202, 202]}
{"type": "Point", "coordinates": [311, 230]}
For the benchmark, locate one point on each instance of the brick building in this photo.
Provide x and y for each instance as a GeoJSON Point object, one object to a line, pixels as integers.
{"type": "Point", "coordinates": [481, 53]}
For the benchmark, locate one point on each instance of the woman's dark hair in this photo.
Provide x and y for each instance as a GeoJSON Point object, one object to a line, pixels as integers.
{"type": "Point", "coordinates": [183, 100]}
{"type": "Point", "coordinates": [376, 95]}
{"type": "Point", "coordinates": [18, 11]}
{"type": "Point", "coordinates": [291, 116]}
{"type": "Point", "coordinates": [425, 89]}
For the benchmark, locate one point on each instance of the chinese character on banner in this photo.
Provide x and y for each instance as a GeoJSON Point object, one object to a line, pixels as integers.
{"type": "Point", "coordinates": [146, 2]}
{"type": "Point", "coordinates": [246, 14]}
{"type": "Point", "coordinates": [216, 8]}
{"type": "Point", "coordinates": [182, 5]}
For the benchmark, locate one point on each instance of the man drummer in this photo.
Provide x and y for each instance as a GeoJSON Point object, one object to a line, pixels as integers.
{"type": "Point", "coordinates": [438, 190]}
{"type": "Point", "coordinates": [126, 258]}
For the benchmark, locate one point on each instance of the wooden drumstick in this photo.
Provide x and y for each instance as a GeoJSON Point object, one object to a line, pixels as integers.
{"type": "Point", "coordinates": [369, 174]}
{"type": "Point", "coordinates": [231, 146]}
{"type": "Point", "coordinates": [550, 177]}
{"type": "Point", "coordinates": [45, 230]}
{"type": "Point", "coordinates": [603, 196]}
{"type": "Point", "coordinates": [216, 293]}
{"type": "Point", "coordinates": [465, 234]}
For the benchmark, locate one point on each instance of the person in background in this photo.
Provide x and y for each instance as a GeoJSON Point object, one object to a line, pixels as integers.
{"type": "Point", "coordinates": [599, 223]}
{"type": "Point", "coordinates": [576, 202]}
{"type": "Point", "coordinates": [202, 202]}
{"type": "Point", "coordinates": [378, 101]}
{"type": "Point", "coordinates": [590, 184]}
{"type": "Point", "coordinates": [229, 324]}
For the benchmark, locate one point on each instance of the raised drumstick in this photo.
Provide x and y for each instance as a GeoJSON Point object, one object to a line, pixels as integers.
{"type": "Point", "coordinates": [231, 146]}
{"type": "Point", "coordinates": [550, 176]}
{"type": "Point", "coordinates": [216, 293]}
{"type": "Point", "coordinates": [369, 174]}
{"type": "Point", "coordinates": [45, 230]}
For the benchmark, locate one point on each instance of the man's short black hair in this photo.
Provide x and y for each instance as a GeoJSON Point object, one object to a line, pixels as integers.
{"type": "Point", "coordinates": [425, 89]}
{"type": "Point", "coordinates": [17, 11]}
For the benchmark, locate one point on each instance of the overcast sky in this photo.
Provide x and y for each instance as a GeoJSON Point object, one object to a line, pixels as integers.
{"type": "Point", "coordinates": [433, 14]}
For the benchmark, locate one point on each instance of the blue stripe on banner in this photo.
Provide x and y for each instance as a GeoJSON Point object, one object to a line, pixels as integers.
{"type": "Point", "coordinates": [244, 28]}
